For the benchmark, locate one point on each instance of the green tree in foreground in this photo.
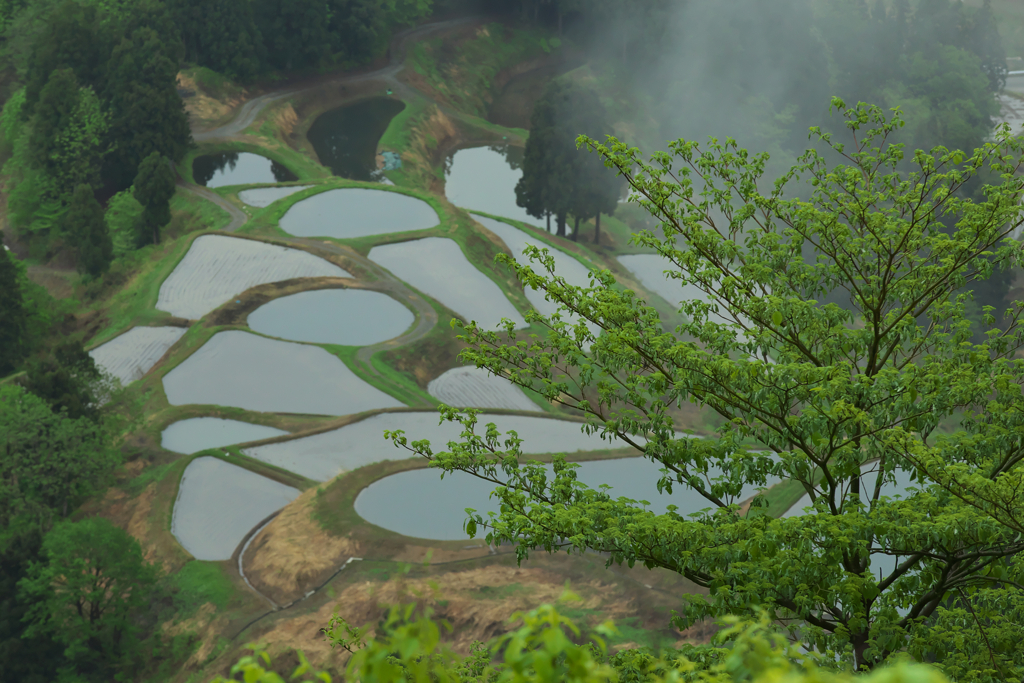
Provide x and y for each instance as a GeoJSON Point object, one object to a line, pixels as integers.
{"type": "Point", "coordinates": [88, 593]}
{"type": "Point", "coordinates": [13, 315]}
{"type": "Point", "coordinates": [827, 394]}
{"type": "Point", "coordinates": [87, 230]}
{"type": "Point", "coordinates": [67, 378]}
{"type": "Point", "coordinates": [153, 189]}
{"type": "Point", "coordinates": [542, 647]}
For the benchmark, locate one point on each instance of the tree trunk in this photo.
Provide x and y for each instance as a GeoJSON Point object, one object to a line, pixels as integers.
{"type": "Point", "coordinates": [547, 214]}
{"type": "Point", "coordinates": [560, 219]}
{"type": "Point", "coordinates": [597, 228]}
{"type": "Point", "coordinates": [576, 228]}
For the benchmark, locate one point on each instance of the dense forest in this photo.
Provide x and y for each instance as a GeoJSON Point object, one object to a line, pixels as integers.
{"type": "Point", "coordinates": [93, 124]}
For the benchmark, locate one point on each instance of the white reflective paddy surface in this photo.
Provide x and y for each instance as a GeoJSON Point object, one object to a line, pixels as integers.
{"type": "Point", "coordinates": [199, 433]}
{"type": "Point", "coordinates": [131, 355]}
{"type": "Point", "coordinates": [255, 373]}
{"type": "Point", "coordinates": [357, 212]}
{"type": "Point", "coordinates": [349, 317]}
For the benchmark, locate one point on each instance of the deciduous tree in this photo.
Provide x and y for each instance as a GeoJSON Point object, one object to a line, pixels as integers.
{"type": "Point", "coordinates": [826, 393]}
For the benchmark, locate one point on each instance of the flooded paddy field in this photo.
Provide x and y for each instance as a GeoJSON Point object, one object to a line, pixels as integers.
{"type": "Point", "coordinates": [437, 267]}
{"type": "Point", "coordinates": [199, 433]}
{"type": "Point", "coordinates": [324, 456]}
{"type": "Point", "coordinates": [472, 387]}
{"type": "Point", "coordinates": [262, 197]}
{"type": "Point", "coordinates": [238, 168]}
{"type": "Point", "coordinates": [635, 478]}
{"type": "Point", "coordinates": [348, 317]}
{"type": "Point", "coordinates": [351, 212]}
{"type": "Point", "coordinates": [131, 355]}
{"type": "Point", "coordinates": [345, 139]}
{"type": "Point", "coordinates": [217, 268]}
{"type": "Point", "coordinates": [219, 503]}
{"type": "Point", "coordinates": [243, 370]}
{"type": "Point", "coordinates": [484, 179]}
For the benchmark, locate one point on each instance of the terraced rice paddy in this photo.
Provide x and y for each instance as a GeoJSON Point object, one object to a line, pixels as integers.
{"type": "Point", "coordinates": [483, 179]}
{"type": "Point", "coordinates": [218, 268]}
{"type": "Point", "coordinates": [357, 212]}
{"type": "Point", "coordinates": [349, 317]}
{"type": "Point", "coordinates": [472, 387]}
{"type": "Point", "coordinates": [131, 355]}
{"type": "Point", "coordinates": [437, 267]}
{"type": "Point", "coordinates": [238, 168]}
{"type": "Point", "coordinates": [262, 197]}
{"type": "Point", "coordinates": [324, 456]}
{"type": "Point", "coordinates": [199, 433]}
{"type": "Point", "coordinates": [247, 371]}
{"type": "Point", "coordinates": [219, 503]}
{"type": "Point", "coordinates": [447, 499]}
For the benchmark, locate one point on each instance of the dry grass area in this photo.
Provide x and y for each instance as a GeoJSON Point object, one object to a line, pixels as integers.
{"type": "Point", "coordinates": [203, 109]}
{"type": "Point", "coordinates": [294, 554]}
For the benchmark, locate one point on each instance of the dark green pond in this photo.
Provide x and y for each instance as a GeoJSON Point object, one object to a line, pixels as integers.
{"type": "Point", "coordinates": [345, 139]}
{"type": "Point", "coordinates": [238, 168]}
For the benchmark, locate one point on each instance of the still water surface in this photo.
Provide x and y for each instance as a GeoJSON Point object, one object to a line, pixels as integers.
{"type": "Point", "coordinates": [199, 433]}
{"type": "Point", "coordinates": [357, 212]}
{"type": "Point", "coordinates": [345, 139]}
{"type": "Point", "coordinates": [238, 168]}
{"type": "Point", "coordinates": [484, 179]}
{"type": "Point", "coordinates": [444, 501]}
{"type": "Point", "coordinates": [349, 317]}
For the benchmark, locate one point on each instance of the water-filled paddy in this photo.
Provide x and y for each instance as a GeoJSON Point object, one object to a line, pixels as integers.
{"type": "Point", "coordinates": [131, 355]}
{"type": "Point", "coordinates": [199, 433]}
{"type": "Point", "coordinates": [345, 139]}
{"type": "Point", "coordinates": [262, 197]}
{"type": "Point", "coordinates": [484, 179]}
{"type": "Point", "coordinates": [219, 503]}
{"type": "Point", "coordinates": [349, 317]}
{"type": "Point", "coordinates": [247, 371]}
{"type": "Point", "coordinates": [357, 212]}
{"type": "Point", "coordinates": [472, 387]}
{"type": "Point", "coordinates": [218, 268]}
{"type": "Point", "coordinates": [238, 168]}
{"type": "Point", "coordinates": [447, 499]}
{"type": "Point", "coordinates": [437, 267]}
{"type": "Point", "coordinates": [324, 456]}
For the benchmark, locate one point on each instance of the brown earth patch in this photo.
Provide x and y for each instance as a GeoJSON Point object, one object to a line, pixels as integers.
{"type": "Point", "coordinates": [294, 554]}
{"type": "Point", "coordinates": [58, 282]}
{"type": "Point", "coordinates": [430, 138]}
{"type": "Point", "coordinates": [133, 515]}
{"type": "Point", "coordinates": [207, 628]}
{"type": "Point", "coordinates": [286, 119]}
{"type": "Point", "coordinates": [204, 109]}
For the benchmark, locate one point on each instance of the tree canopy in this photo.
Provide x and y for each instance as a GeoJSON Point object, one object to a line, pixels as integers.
{"type": "Point", "coordinates": [830, 397]}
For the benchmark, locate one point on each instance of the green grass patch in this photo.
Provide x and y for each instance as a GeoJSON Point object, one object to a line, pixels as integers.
{"type": "Point", "coordinates": [191, 213]}
{"type": "Point", "coordinates": [200, 582]}
{"type": "Point", "coordinates": [388, 380]}
{"type": "Point", "coordinates": [151, 475]}
{"type": "Point", "coordinates": [213, 84]}
{"type": "Point", "coordinates": [781, 498]}
{"type": "Point", "coordinates": [234, 456]}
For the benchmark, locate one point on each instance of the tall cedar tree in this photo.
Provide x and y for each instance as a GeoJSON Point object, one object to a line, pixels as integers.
{"type": "Point", "coordinates": [86, 229]}
{"type": "Point", "coordinates": [12, 314]}
{"type": "Point", "coordinates": [147, 114]}
{"type": "Point", "coordinates": [153, 188]}
{"type": "Point", "coordinates": [67, 378]}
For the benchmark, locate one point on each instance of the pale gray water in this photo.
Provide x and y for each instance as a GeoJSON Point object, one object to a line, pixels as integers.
{"type": "Point", "coordinates": [357, 212]}
{"type": "Point", "coordinates": [484, 179]}
{"type": "Point", "coordinates": [324, 456]}
{"type": "Point", "coordinates": [442, 502]}
{"type": "Point", "coordinates": [349, 317]}
{"type": "Point", "coordinates": [473, 387]}
{"type": "Point", "coordinates": [262, 197]}
{"type": "Point", "coordinates": [247, 371]}
{"type": "Point", "coordinates": [219, 503]}
{"type": "Point", "coordinates": [437, 267]}
{"type": "Point", "coordinates": [238, 168]}
{"type": "Point", "coordinates": [199, 433]}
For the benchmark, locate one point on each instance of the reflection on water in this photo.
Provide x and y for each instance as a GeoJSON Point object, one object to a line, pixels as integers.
{"type": "Point", "coordinates": [218, 503]}
{"type": "Point", "coordinates": [238, 168]}
{"type": "Point", "coordinates": [199, 433]}
{"type": "Point", "coordinates": [345, 139]}
{"type": "Point", "coordinates": [447, 499]}
{"type": "Point", "coordinates": [357, 212]}
{"type": "Point", "coordinates": [350, 317]}
{"type": "Point", "coordinates": [484, 179]}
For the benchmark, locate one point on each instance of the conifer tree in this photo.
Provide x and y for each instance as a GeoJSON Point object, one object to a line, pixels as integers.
{"type": "Point", "coordinates": [86, 229]}
{"type": "Point", "coordinates": [12, 315]}
{"type": "Point", "coordinates": [153, 188]}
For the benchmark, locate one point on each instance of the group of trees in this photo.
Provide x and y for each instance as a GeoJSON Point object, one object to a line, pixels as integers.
{"type": "Point", "coordinates": [99, 97]}
{"type": "Point", "coordinates": [557, 178]}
